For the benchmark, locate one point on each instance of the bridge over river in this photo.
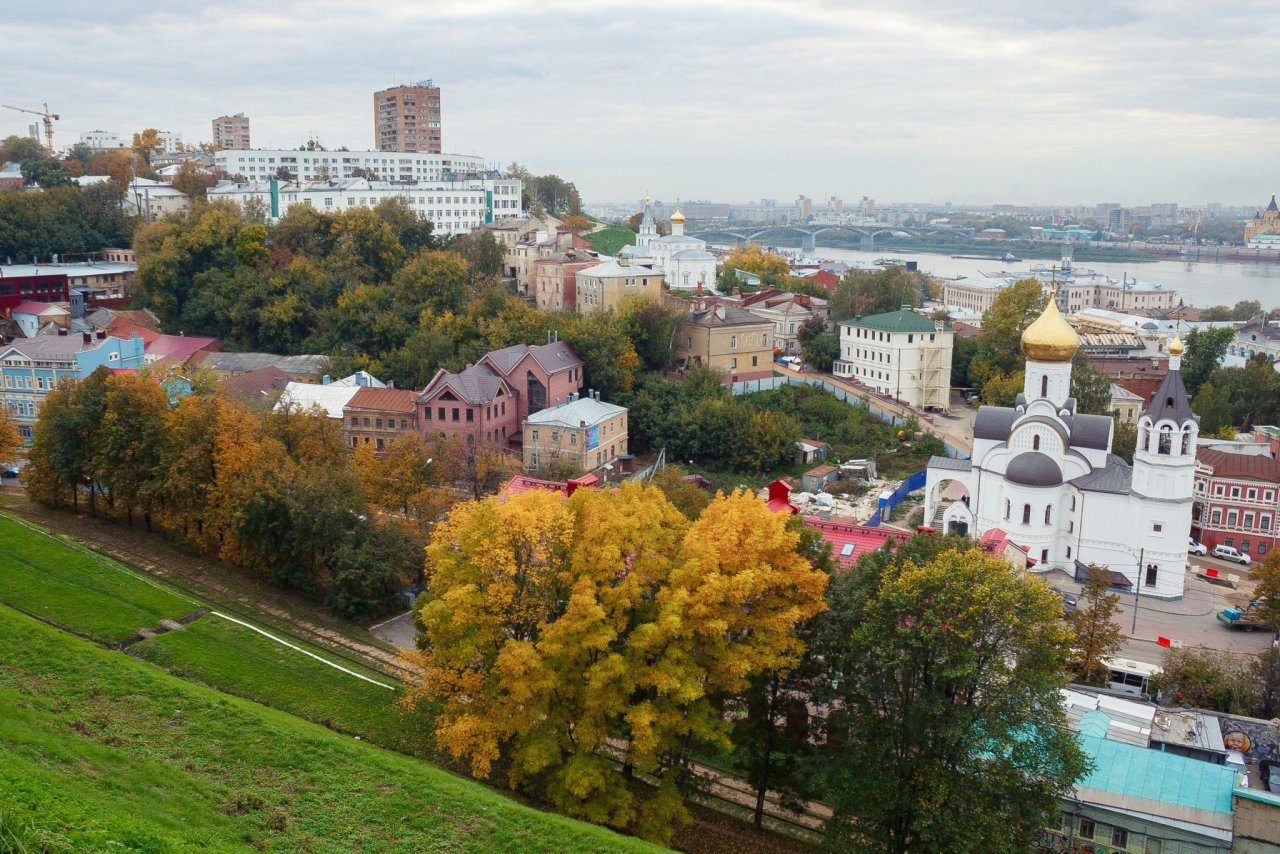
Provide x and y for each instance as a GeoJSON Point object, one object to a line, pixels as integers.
{"type": "Point", "coordinates": [809, 234]}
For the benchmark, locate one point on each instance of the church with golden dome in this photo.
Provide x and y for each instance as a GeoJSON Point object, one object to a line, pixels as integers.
{"type": "Point", "coordinates": [684, 260]}
{"type": "Point", "coordinates": [1043, 476]}
{"type": "Point", "coordinates": [1264, 231]}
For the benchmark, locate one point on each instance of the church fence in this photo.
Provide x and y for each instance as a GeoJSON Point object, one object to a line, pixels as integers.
{"type": "Point", "coordinates": [911, 484]}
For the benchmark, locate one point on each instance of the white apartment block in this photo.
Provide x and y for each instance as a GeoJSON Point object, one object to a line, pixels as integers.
{"type": "Point", "coordinates": [259, 164]}
{"type": "Point", "coordinates": [899, 354]}
{"type": "Point", "coordinates": [102, 140]}
{"type": "Point", "coordinates": [454, 207]}
{"type": "Point", "coordinates": [1075, 294]}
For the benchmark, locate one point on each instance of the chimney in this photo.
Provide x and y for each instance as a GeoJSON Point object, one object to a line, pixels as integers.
{"type": "Point", "coordinates": [102, 335]}
{"type": "Point", "coordinates": [699, 287]}
{"type": "Point", "coordinates": [62, 331]}
{"type": "Point", "coordinates": [87, 338]}
{"type": "Point", "coordinates": [326, 379]}
{"type": "Point", "coordinates": [591, 393]}
{"type": "Point", "coordinates": [597, 395]}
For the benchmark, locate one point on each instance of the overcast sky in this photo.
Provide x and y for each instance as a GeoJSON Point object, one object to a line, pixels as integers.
{"type": "Point", "coordinates": [962, 101]}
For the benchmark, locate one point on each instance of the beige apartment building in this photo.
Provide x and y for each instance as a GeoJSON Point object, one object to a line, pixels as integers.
{"type": "Point", "coordinates": [735, 342]}
{"type": "Point", "coordinates": [407, 118]}
{"type": "Point", "coordinates": [605, 286]}
{"type": "Point", "coordinates": [231, 132]}
{"type": "Point", "coordinates": [554, 279]}
{"type": "Point", "coordinates": [585, 434]}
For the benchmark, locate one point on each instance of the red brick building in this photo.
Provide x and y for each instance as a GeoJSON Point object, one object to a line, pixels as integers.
{"type": "Point", "coordinates": [1140, 375]}
{"type": "Point", "coordinates": [490, 400]}
{"type": "Point", "coordinates": [377, 416]}
{"type": "Point", "coordinates": [1236, 501]}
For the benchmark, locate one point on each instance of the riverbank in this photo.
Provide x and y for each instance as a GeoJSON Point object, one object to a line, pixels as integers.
{"type": "Point", "coordinates": [1025, 249]}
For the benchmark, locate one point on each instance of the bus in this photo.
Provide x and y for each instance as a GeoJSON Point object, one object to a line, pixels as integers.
{"type": "Point", "coordinates": [1131, 677]}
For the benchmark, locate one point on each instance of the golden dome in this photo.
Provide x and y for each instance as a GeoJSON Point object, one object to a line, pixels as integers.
{"type": "Point", "coordinates": [1050, 338]}
{"type": "Point", "coordinates": [677, 216]}
{"type": "Point", "coordinates": [1176, 348]}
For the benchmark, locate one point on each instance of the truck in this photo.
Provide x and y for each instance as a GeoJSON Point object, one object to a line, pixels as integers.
{"type": "Point", "coordinates": [1249, 619]}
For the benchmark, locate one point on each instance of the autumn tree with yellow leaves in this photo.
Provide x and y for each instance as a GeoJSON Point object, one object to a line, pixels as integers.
{"type": "Point", "coordinates": [562, 638]}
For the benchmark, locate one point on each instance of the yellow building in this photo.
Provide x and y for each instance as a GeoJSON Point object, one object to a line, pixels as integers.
{"type": "Point", "coordinates": [1266, 222]}
{"type": "Point", "coordinates": [585, 434]}
{"type": "Point", "coordinates": [735, 342]}
{"type": "Point", "coordinates": [605, 286]}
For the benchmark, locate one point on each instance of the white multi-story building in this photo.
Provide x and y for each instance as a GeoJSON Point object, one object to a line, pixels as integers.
{"type": "Point", "coordinates": [170, 141]}
{"type": "Point", "coordinates": [1043, 474]}
{"type": "Point", "coordinates": [259, 164]}
{"type": "Point", "coordinates": [899, 354]}
{"type": "Point", "coordinates": [454, 207]}
{"type": "Point", "coordinates": [101, 140]}
{"type": "Point", "coordinates": [1075, 292]}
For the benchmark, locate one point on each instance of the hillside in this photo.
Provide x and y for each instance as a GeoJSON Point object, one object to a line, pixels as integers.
{"type": "Point", "coordinates": [101, 751]}
{"type": "Point", "coordinates": [610, 239]}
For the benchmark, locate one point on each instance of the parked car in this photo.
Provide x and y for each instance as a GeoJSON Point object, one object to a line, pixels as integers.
{"type": "Point", "coordinates": [1069, 602]}
{"type": "Point", "coordinates": [1228, 553]}
{"type": "Point", "coordinates": [1196, 548]}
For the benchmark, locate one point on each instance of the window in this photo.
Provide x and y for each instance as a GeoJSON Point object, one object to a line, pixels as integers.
{"type": "Point", "coordinates": [455, 413]}
{"type": "Point", "coordinates": [1044, 386]}
{"type": "Point", "coordinates": [846, 550]}
{"type": "Point", "coordinates": [355, 422]}
{"type": "Point", "coordinates": [1048, 514]}
{"type": "Point", "coordinates": [1152, 570]}
{"type": "Point", "coordinates": [1068, 552]}
{"type": "Point", "coordinates": [535, 434]}
{"type": "Point", "coordinates": [1157, 527]}
{"type": "Point", "coordinates": [1035, 443]}
{"type": "Point", "coordinates": [1229, 541]}
{"type": "Point", "coordinates": [1073, 502]}
{"type": "Point", "coordinates": [1006, 508]}
{"type": "Point", "coordinates": [1268, 495]}
{"type": "Point", "coordinates": [1231, 518]}
{"type": "Point", "coordinates": [1044, 556]}
{"type": "Point", "coordinates": [1262, 549]}
{"type": "Point", "coordinates": [1252, 494]}
{"type": "Point", "coordinates": [1071, 526]}
{"type": "Point", "coordinates": [733, 364]}
{"type": "Point", "coordinates": [755, 361]}
{"type": "Point", "coordinates": [1026, 514]}
{"type": "Point", "coordinates": [1248, 521]}
{"type": "Point", "coordinates": [1264, 523]}
{"type": "Point", "coordinates": [1086, 828]}
{"type": "Point", "coordinates": [366, 422]}
{"type": "Point", "coordinates": [1215, 518]}
{"type": "Point", "coordinates": [733, 341]}
{"type": "Point", "coordinates": [555, 437]}
{"type": "Point", "coordinates": [378, 423]}
{"type": "Point", "coordinates": [1235, 492]}
{"type": "Point", "coordinates": [1217, 490]}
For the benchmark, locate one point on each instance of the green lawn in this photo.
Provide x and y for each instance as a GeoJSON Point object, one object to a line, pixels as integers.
{"type": "Point", "coordinates": [99, 751]}
{"type": "Point", "coordinates": [608, 241]}
{"type": "Point", "coordinates": [86, 593]}
{"type": "Point", "coordinates": [240, 661]}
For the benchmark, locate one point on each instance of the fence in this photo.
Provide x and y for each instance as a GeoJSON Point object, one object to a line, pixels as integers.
{"type": "Point", "coordinates": [911, 484]}
{"type": "Point", "coordinates": [770, 383]}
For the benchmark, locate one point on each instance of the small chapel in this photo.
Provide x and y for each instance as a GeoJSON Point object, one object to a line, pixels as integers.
{"type": "Point", "coordinates": [1044, 475]}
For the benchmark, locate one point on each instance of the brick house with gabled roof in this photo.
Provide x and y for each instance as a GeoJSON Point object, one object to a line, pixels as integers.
{"type": "Point", "coordinates": [491, 399]}
{"type": "Point", "coordinates": [476, 403]}
{"type": "Point", "coordinates": [377, 416]}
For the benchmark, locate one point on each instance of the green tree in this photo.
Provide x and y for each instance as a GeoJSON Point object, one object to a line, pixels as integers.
{"type": "Point", "coordinates": [1208, 679]}
{"type": "Point", "coordinates": [1091, 388]}
{"type": "Point", "coordinates": [1247, 309]}
{"type": "Point", "coordinates": [1096, 634]}
{"type": "Point", "coordinates": [943, 672]}
{"type": "Point", "coordinates": [434, 280]}
{"type": "Point", "coordinates": [962, 353]}
{"type": "Point", "coordinates": [1204, 351]}
{"type": "Point", "coordinates": [819, 347]}
{"type": "Point", "coordinates": [652, 329]}
{"type": "Point", "coordinates": [1124, 439]}
{"type": "Point", "coordinates": [999, 350]}
{"type": "Point", "coordinates": [1215, 407]}
{"type": "Point", "coordinates": [482, 253]}
{"type": "Point", "coordinates": [863, 292]}
{"type": "Point", "coordinates": [46, 173]}
{"type": "Point", "coordinates": [21, 149]}
{"type": "Point", "coordinates": [1266, 577]}
{"type": "Point", "coordinates": [130, 442]}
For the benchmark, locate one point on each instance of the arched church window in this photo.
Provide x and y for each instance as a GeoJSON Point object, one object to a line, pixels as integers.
{"type": "Point", "coordinates": [1044, 386]}
{"type": "Point", "coordinates": [1166, 441]}
{"type": "Point", "coordinates": [1048, 514]}
{"type": "Point", "coordinates": [1035, 443]}
{"type": "Point", "coordinates": [1186, 442]}
{"type": "Point", "coordinates": [1026, 514]}
{"type": "Point", "coordinates": [1008, 508]}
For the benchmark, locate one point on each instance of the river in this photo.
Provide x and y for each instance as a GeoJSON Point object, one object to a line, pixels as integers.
{"type": "Point", "coordinates": [1198, 283]}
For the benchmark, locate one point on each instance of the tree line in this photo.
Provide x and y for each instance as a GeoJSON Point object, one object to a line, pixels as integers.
{"type": "Point", "coordinates": [274, 491]}
{"type": "Point", "coordinates": [574, 648]}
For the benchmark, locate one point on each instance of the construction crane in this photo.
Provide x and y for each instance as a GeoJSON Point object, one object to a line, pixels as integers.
{"type": "Point", "coordinates": [48, 118]}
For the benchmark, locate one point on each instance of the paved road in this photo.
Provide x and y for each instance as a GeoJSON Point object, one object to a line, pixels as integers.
{"type": "Point", "coordinates": [1192, 620]}
{"type": "Point", "coordinates": [399, 631]}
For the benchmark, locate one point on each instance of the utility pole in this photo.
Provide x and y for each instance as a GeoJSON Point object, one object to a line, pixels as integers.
{"type": "Point", "coordinates": [1137, 585]}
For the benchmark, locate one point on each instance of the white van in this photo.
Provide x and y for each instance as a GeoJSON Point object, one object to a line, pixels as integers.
{"type": "Point", "coordinates": [1228, 553]}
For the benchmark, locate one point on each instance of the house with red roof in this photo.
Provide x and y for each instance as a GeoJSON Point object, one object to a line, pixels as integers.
{"type": "Point", "coordinates": [31, 316]}
{"type": "Point", "coordinates": [1236, 501]}
{"type": "Point", "coordinates": [377, 416]}
{"type": "Point", "coordinates": [850, 542]}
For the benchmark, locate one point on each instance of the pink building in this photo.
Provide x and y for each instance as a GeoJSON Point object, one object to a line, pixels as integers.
{"type": "Point", "coordinates": [490, 400]}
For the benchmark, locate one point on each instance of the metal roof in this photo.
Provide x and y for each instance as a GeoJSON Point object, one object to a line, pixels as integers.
{"type": "Point", "coordinates": [1115, 478]}
{"type": "Point", "coordinates": [1171, 401]}
{"type": "Point", "coordinates": [901, 320]}
{"type": "Point", "coordinates": [950, 464]}
{"type": "Point", "coordinates": [1033, 468]}
{"type": "Point", "coordinates": [572, 414]}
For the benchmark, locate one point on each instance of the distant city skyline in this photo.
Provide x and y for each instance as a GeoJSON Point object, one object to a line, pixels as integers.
{"type": "Point", "coordinates": [972, 103]}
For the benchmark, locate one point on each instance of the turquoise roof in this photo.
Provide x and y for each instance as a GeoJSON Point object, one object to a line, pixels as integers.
{"type": "Point", "coordinates": [897, 321]}
{"type": "Point", "coordinates": [1141, 772]}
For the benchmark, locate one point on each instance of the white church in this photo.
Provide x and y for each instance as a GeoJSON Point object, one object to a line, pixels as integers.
{"type": "Point", "coordinates": [683, 260]}
{"type": "Point", "coordinates": [1045, 475]}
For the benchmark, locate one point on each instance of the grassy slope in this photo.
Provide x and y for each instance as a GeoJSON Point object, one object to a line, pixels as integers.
{"type": "Point", "coordinates": [96, 748]}
{"type": "Point", "coordinates": [607, 241]}
{"type": "Point", "coordinates": [86, 593]}
{"type": "Point", "coordinates": [239, 661]}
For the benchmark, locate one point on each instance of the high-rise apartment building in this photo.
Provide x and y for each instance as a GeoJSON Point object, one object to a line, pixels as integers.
{"type": "Point", "coordinates": [407, 118]}
{"type": "Point", "coordinates": [231, 132]}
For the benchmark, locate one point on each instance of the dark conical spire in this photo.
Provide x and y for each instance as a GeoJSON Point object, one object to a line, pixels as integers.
{"type": "Point", "coordinates": [1272, 206]}
{"type": "Point", "coordinates": [1171, 400]}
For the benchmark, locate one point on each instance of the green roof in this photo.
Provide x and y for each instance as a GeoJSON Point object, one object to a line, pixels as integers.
{"type": "Point", "coordinates": [896, 321]}
{"type": "Point", "coordinates": [1140, 772]}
